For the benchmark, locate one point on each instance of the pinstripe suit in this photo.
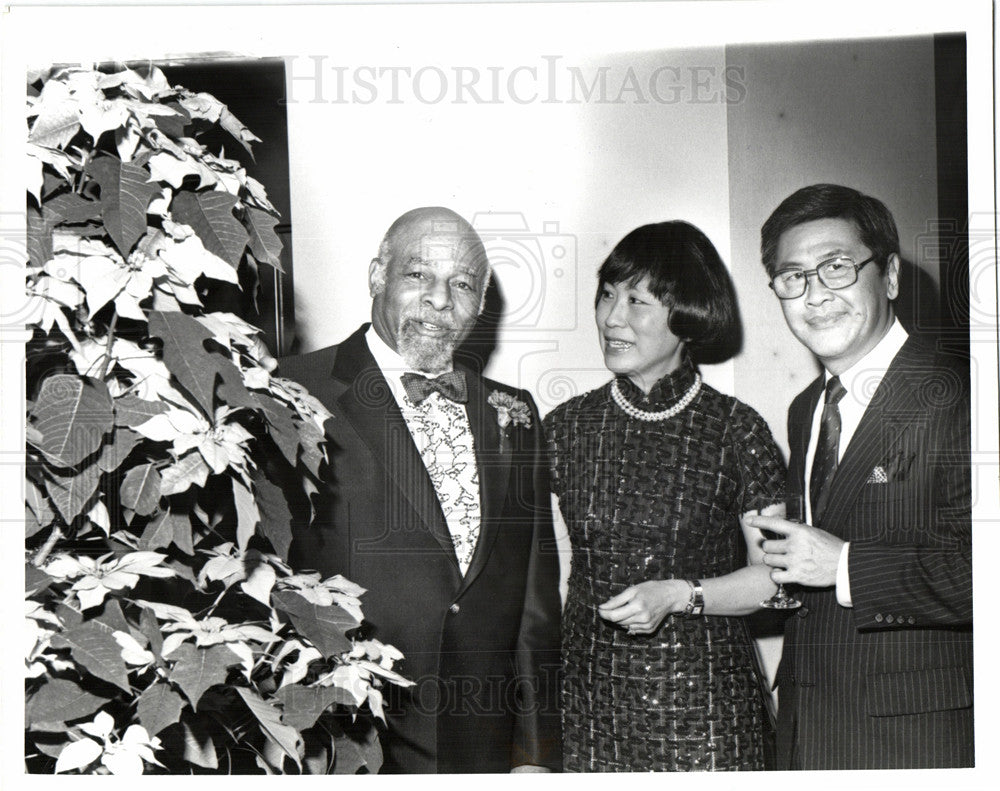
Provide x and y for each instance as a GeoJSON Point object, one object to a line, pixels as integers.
{"type": "Point", "coordinates": [888, 683]}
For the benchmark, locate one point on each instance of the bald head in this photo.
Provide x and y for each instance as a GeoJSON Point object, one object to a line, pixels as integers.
{"type": "Point", "coordinates": [427, 284]}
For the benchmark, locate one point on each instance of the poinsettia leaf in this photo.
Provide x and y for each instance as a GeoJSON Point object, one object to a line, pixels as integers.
{"type": "Point", "coordinates": [150, 628]}
{"type": "Point", "coordinates": [130, 410]}
{"type": "Point", "coordinates": [102, 280]}
{"type": "Point", "coordinates": [303, 705]}
{"type": "Point", "coordinates": [194, 366]}
{"type": "Point", "coordinates": [112, 619]}
{"type": "Point", "coordinates": [171, 169]}
{"type": "Point", "coordinates": [73, 413]}
{"type": "Point", "coordinates": [31, 524]}
{"type": "Point", "coordinates": [190, 470]}
{"type": "Point", "coordinates": [312, 447]}
{"type": "Point", "coordinates": [280, 426]}
{"type": "Point", "coordinates": [125, 194]}
{"type": "Point", "coordinates": [199, 749]}
{"type": "Point", "coordinates": [103, 116]}
{"type": "Point", "coordinates": [269, 717]}
{"type": "Point", "coordinates": [38, 504]}
{"type": "Point", "coordinates": [275, 517]}
{"type": "Point", "coordinates": [126, 142]}
{"type": "Point", "coordinates": [140, 490]}
{"type": "Point", "coordinates": [260, 583]}
{"type": "Point", "coordinates": [71, 492]}
{"type": "Point", "coordinates": [56, 124]}
{"type": "Point", "coordinates": [39, 239]}
{"type": "Point", "coordinates": [158, 707]}
{"type": "Point", "coordinates": [235, 127]}
{"type": "Point", "coordinates": [173, 125]}
{"type": "Point", "coordinates": [197, 669]}
{"type": "Point", "coordinates": [264, 242]}
{"type": "Point", "coordinates": [231, 388]}
{"type": "Point", "coordinates": [71, 208]}
{"type": "Point", "coordinates": [165, 529]}
{"type": "Point", "coordinates": [93, 647]}
{"type": "Point", "coordinates": [68, 615]}
{"type": "Point", "coordinates": [61, 700]}
{"type": "Point", "coordinates": [123, 441]}
{"type": "Point", "coordinates": [59, 161]}
{"type": "Point", "coordinates": [35, 580]}
{"type": "Point", "coordinates": [184, 352]}
{"type": "Point", "coordinates": [360, 750]}
{"type": "Point", "coordinates": [210, 214]}
{"type": "Point", "coordinates": [247, 514]}
{"type": "Point", "coordinates": [324, 626]}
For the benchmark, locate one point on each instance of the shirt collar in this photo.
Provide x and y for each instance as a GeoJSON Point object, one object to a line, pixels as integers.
{"type": "Point", "coordinates": [863, 377]}
{"type": "Point", "coordinates": [392, 365]}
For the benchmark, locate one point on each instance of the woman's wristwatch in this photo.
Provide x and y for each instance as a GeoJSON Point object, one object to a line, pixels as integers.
{"type": "Point", "coordinates": [696, 604]}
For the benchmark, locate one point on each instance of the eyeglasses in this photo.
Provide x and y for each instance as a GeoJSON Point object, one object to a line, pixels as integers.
{"type": "Point", "coordinates": [834, 273]}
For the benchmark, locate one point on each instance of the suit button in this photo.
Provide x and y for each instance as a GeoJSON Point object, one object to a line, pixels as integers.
{"type": "Point", "coordinates": [454, 609]}
{"type": "Point", "coordinates": [910, 619]}
{"type": "Point", "coordinates": [889, 619]}
{"type": "Point", "coordinates": [879, 618]}
{"type": "Point", "coordinates": [802, 612]}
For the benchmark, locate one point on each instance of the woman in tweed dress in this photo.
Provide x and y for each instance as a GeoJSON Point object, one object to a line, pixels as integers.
{"type": "Point", "coordinates": [653, 472]}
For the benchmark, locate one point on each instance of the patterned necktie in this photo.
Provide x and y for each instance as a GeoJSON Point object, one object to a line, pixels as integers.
{"type": "Point", "coordinates": [827, 449]}
{"type": "Point", "coordinates": [451, 385]}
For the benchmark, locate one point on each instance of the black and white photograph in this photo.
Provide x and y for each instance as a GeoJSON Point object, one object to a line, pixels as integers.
{"type": "Point", "coordinates": [500, 388]}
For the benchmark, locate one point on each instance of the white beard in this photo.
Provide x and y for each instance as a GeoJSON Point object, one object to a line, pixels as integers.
{"type": "Point", "coordinates": [421, 353]}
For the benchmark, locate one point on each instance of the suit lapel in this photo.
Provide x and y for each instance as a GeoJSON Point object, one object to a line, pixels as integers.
{"type": "Point", "coordinates": [368, 405]}
{"type": "Point", "coordinates": [874, 438]}
{"type": "Point", "coordinates": [798, 437]}
{"type": "Point", "coordinates": [494, 472]}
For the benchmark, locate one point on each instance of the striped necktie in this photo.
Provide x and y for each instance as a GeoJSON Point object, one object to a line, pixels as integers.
{"type": "Point", "coordinates": [827, 449]}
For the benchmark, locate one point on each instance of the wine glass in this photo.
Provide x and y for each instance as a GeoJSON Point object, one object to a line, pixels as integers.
{"type": "Point", "coordinates": [792, 508]}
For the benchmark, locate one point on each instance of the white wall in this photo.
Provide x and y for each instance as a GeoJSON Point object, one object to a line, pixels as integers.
{"type": "Point", "coordinates": [858, 113]}
{"type": "Point", "coordinates": [602, 143]}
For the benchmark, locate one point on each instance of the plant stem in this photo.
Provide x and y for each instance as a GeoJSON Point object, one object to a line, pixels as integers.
{"type": "Point", "coordinates": [108, 345]}
{"type": "Point", "coordinates": [43, 553]}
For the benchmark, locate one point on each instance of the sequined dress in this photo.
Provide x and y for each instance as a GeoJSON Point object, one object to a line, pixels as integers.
{"type": "Point", "coordinates": [658, 500]}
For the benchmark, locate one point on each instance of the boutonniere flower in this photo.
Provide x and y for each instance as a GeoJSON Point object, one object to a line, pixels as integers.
{"type": "Point", "coordinates": [510, 410]}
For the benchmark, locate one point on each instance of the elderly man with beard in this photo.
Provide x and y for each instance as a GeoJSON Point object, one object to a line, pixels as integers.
{"type": "Point", "coordinates": [436, 501]}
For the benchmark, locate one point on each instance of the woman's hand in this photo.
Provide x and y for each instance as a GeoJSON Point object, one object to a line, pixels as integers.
{"type": "Point", "coordinates": [640, 608]}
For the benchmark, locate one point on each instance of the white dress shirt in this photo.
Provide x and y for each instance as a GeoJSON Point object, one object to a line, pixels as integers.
{"type": "Point", "coordinates": [860, 381]}
{"type": "Point", "coordinates": [440, 430]}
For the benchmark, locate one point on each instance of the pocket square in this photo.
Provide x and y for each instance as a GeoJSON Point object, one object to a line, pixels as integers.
{"type": "Point", "coordinates": [878, 475]}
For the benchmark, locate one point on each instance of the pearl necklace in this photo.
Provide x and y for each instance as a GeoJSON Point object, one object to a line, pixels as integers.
{"type": "Point", "coordinates": [651, 417]}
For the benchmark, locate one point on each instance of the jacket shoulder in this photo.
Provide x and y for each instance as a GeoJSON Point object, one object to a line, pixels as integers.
{"type": "Point", "coordinates": [310, 367]}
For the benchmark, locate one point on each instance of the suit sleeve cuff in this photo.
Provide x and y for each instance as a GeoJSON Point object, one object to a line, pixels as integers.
{"type": "Point", "coordinates": [844, 578]}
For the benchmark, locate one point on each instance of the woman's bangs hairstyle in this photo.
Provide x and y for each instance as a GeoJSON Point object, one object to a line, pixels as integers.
{"type": "Point", "coordinates": [686, 274]}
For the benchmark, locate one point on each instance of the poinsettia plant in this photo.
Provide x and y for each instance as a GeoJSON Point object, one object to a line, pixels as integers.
{"type": "Point", "coordinates": [165, 630]}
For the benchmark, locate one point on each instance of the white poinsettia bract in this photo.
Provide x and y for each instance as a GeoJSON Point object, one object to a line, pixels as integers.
{"type": "Point", "coordinates": [122, 756]}
{"type": "Point", "coordinates": [95, 578]}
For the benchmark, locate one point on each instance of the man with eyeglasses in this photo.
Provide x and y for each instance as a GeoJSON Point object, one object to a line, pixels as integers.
{"type": "Point", "coordinates": [876, 668]}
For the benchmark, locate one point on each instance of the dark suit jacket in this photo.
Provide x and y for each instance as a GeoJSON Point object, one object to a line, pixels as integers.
{"type": "Point", "coordinates": [888, 683]}
{"type": "Point", "coordinates": [483, 649]}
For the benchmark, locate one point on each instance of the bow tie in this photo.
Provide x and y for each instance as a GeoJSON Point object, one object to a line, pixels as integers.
{"type": "Point", "coordinates": [451, 385]}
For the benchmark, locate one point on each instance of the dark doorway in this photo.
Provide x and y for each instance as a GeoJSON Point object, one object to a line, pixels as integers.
{"type": "Point", "coordinates": [254, 91]}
